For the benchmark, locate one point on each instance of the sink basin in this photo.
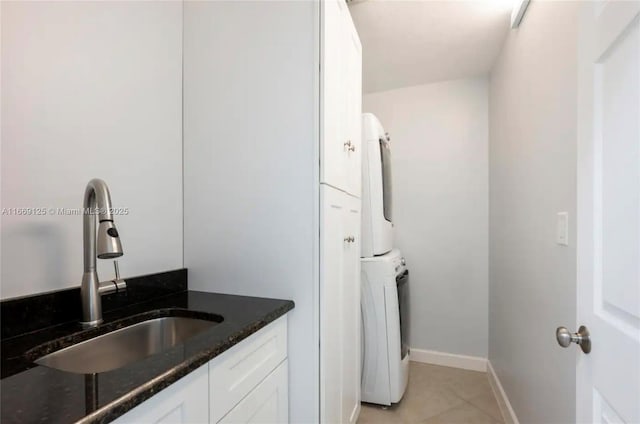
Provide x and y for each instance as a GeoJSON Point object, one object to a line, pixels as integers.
{"type": "Point", "coordinates": [126, 345]}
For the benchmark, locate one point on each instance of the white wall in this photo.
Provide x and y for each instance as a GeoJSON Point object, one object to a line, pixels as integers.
{"type": "Point", "coordinates": [90, 89]}
{"type": "Point", "coordinates": [251, 165]}
{"type": "Point", "coordinates": [439, 136]}
{"type": "Point", "coordinates": [532, 177]}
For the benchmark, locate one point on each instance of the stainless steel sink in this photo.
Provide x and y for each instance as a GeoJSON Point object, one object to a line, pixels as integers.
{"type": "Point", "coordinates": [126, 345]}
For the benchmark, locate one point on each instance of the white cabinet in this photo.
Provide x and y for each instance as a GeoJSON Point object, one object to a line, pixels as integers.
{"type": "Point", "coordinates": [332, 244]}
{"type": "Point", "coordinates": [351, 359]}
{"type": "Point", "coordinates": [341, 99]}
{"type": "Point", "coordinates": [185, 401]}
{"type": "Point", "coordinates": [267, 403]}
{"type": "Point", "coordinates": [340, 306]}
{"type": "Point", "coordinates": [334, 147]}
{"type": "Point", "coordinates": [246, 384]}
{"type": "Point", "coordinates": [352, 50]}
{"type": "Point", "coordinates": [237, 371]}
{"type": "Point", "coordinates": [341, 181]}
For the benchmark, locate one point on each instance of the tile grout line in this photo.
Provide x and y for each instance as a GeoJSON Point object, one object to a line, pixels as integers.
{"type": "Point", "coordinates": [454, 392]}
{"type": "Point", "coordinates": [500, 420]}
{"type": "Point", "coordinates": [459, 399]}
{"type": "Point", "coordinates": [456, 407]}
{"type": "Point", "coordinates": [469, 404]}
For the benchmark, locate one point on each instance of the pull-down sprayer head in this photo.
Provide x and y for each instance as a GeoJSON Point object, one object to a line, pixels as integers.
{"type": "Point", "coordinates": [108, 245]}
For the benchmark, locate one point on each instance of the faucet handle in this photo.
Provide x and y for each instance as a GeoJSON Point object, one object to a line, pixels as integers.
{"type": "Point", "coordinates": [115, 266]}
{"type": "Point", "coordinates": [115, 285]}
{"type": "Point", "coordinates": [119, 282]}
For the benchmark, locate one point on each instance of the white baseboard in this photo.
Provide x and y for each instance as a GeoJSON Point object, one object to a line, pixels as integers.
{"type": "Point", "coordinates": [507, 411]}
{"type": "Point", "coordinates": [355, 414]}
{"type": "Point", "coordinates": [473, 363]}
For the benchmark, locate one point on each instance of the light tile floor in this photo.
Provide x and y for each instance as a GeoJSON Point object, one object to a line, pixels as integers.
{"type": "Point", "coordinates": [439, 395]}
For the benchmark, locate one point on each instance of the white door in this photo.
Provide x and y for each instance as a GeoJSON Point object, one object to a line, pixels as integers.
{"type": "Point", "coordinates": [608, 378]}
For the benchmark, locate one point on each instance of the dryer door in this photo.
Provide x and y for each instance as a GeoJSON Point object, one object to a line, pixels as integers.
{"type": "Point", "coordinates": [387, 197]}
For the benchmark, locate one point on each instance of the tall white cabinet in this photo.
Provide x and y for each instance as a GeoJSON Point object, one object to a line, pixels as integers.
{"type": "Point", "coordinates": [341, 98]}
{"type": "Point", "coordinates": [272, 156]}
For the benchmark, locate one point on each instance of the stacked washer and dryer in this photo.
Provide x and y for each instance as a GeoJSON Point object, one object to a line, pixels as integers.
{"type": "Point", "coordinates": [385, 278]}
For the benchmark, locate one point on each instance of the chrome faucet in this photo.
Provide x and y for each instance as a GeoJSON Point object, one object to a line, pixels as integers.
{"type": "Point", "coordinates": [97, 201]}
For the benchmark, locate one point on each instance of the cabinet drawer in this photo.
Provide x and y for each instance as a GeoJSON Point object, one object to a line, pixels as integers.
{"type": "Point", "coordinates": [266, 404]}
{"type": "Point", "coordinates": [236, 372]}
{"type": "Point", "coordinates": [185, 401]}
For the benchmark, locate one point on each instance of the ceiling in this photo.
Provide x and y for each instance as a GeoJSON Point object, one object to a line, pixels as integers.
{"type": "Point", "coordinates": [408, 43]}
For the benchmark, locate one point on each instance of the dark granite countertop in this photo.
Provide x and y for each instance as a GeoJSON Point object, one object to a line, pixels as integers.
{"type": "Point", "coordinates": [32, 393]}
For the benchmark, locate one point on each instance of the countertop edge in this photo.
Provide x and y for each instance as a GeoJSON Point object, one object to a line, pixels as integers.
{"type": "Point", "coordinates": [135, 397]}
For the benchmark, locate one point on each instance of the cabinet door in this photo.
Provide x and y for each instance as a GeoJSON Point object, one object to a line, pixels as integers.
{"type": "Point", "coordinates": [351, 322]}
{"type": "Point", "coordinates": [266, 404]}
{"type": "Point", "coordinates": [239, 370]}
{"type": "Point", "coordinates": [352, 56]}
{"type": "Point", "coordinates": [185, 401]}
{"type": "Point", "coordinates": [340, 307]}
{"type": "Point", "coordinates": [332, 102]}
{"type": "Point", "coordinates": [341, 98]}
{"type": "Point", "coordinates": [332, 246]}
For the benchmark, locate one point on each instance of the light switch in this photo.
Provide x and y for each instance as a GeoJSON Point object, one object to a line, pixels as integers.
{"type": "Point", "coordinates": [562, 229]}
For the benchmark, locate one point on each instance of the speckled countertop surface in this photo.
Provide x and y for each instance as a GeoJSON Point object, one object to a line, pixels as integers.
{"type": "Point", "coordinates": [37, 394]}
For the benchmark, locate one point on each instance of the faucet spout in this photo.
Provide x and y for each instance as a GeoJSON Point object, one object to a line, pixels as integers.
{"type": "Point", "coordinates": [97, 203]}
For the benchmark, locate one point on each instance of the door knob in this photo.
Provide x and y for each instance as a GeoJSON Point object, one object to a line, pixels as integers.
{"type": "Point", "coordinates": [581, 338]}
